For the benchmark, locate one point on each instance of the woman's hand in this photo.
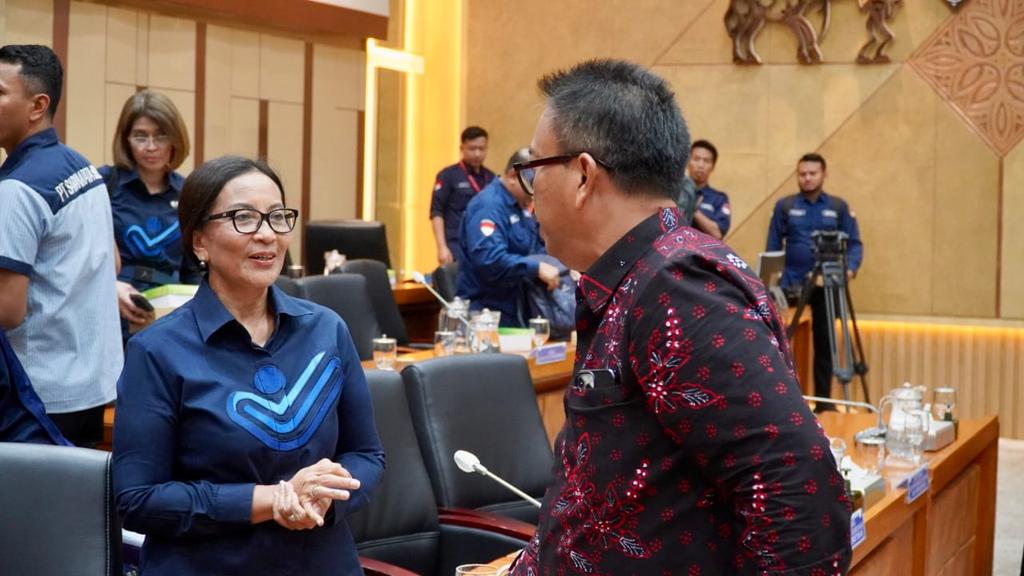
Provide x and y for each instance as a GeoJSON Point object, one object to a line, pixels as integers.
{"type": "Point", "coordinates": [290, 513]}
{"type": "Point", "coordinates": [318, 485]}
{"type": "Point", "coordinates": [129, 311]}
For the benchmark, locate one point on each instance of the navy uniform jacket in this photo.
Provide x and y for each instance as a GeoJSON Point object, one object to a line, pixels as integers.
{"type": "Point", "coordinates": [715, 205]}
{"type": "Point", "coordinates": [497, 237]}
{"type": "Point", "coordinates": [453, 189]}
{"type": "Point", "coordinates": [204, 414]}
{"type": "Point", "coordinates": [146, 230]}
{"type": "Point", "coordinates": [22, 414]}
{"type": "Point", "coordinates": [793, 221]}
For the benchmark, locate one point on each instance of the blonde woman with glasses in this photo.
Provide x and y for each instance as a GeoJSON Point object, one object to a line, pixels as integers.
{"type": "Point", "coordinates": [150, 143]}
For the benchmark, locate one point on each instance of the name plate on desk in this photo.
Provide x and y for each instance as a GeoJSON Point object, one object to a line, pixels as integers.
{"type": "Point", "coordinates": [917, 483]}
{"type": "Point", "coordinates": [858, 531]}
{"type": "Point", "coordinates": [550, 353]}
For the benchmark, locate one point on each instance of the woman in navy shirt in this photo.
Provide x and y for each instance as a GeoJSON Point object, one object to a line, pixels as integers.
{"type": "Point", "coordinates": [244, 431]}
{"type": "Point", "coordinates": [150, 143]}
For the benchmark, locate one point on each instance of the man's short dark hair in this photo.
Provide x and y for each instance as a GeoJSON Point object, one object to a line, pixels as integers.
{"type": "Point", "coordinates": [707, 146]}
{"type": "Point", "coordinates": [624, 116]}
{"type": "Point", "coordinates": [813, 157]}
{"type": "Point", "coordinates": [40, 70]}
{"type": "Point", "coordinates": [472, 133]}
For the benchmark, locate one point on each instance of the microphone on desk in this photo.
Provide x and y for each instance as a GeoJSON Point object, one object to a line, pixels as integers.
{"type": "Point", "coordinates": [468, 462]}
{"type": "Point", "coordinates": [419, 278]}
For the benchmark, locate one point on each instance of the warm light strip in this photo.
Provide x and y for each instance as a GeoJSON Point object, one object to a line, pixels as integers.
{"type": "Point", "coordinates": [379, 57]}
{"type": "Point", "coordinates": [410, 150]}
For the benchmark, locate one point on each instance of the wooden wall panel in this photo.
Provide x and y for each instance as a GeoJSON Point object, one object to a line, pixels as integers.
{"type": "Point", "coordinates": [122, 50]}
{"type": "Point", "coordinates": [333, 183]}
{"type": "Point", "coordinates": [86, 94]}
{"type": "Point", "coordinates": [185, 101]}
{"type": "Point", "coordinates": [281, 69]}
{"type": "Point", "coordinates": [1012, 270]}
{"type": "Point", "coordinates": [984, 363]}
{"type": "Point", "coordinates": [28, 22]}
{"type": "Point", "coordinates": [284, 154]}
{"type": "Point", "coordinates": [115, 97]}
{"type": "Point", "coordinates": [244, 128]}
{"type": "Point", "coordinates": [172, 44]}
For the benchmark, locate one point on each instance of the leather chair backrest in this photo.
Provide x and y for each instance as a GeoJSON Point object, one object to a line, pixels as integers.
{"type": "Point", "coordinates": [353, 238]}
{"type": "Point", "coordinates": [389, 318]}
{"type": "Point", "coordinates": [444, 280]}
{"type": "Point", "coordinates": [347, 295]}
{"type": "Point", "coordinates": [484, 403]}
{"type": "Point", "coordinates": [290, 286]}
{"type": "Point", "coordinates": [400, 524]}
{"type": "Point", "coordinates": [57, 512]}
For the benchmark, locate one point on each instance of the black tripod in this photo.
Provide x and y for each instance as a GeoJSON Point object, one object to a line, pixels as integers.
{"type": "Point", "coordinates": [830, 266]}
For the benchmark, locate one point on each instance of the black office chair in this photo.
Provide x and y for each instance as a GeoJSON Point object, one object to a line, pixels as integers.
{"type": "Point", "coordinates": [346, 294]}
{"type": "Point", "coordinates": [483, 403]}
{"type": "Point", "coordinates": [389, 318]}
{"type": "Point", "coordinates": [401, 525]}
{"type": "Point", "coordinates": [290, 286]}
{"type": "Point", "coordinates": [354, 238]}
{"type": "Point", "coordinates": [57, 512]}
{"type": "Point", "coordinates": [444, 280]}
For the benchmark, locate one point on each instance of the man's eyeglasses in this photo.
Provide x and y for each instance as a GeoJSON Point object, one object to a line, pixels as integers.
{"type": "Point", "coordinates": [249, 220]}
{"type": "Point", "coordinates": [143, 140]}
{"type": "Point", "coordinates": [525, 170]}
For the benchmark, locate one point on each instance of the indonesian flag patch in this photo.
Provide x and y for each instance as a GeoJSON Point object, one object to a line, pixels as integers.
{"type": "Point", "coordinates": [437, 185]}
{"type": "Point", "coordinates": [487, 227]}
{"type": "Point", "coordinates": [726, 209]}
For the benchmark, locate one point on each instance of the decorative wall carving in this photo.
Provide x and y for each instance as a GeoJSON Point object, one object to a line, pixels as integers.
{"type": "Point", "coordinates": [976, 62]}
{"type": "Point", "coordinates": [745, 18]}
{"type": "Point", "coordinates": [879, 33]}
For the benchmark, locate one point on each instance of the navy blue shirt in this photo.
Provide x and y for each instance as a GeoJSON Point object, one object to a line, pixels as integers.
{"type": "Point", "coordinates": [715, 205]}
{"type": "Point", "coordinates": [22, 414]}
{"type": "Point", "coordinates": [497, 237]}
{"type": "Point", "coordinates": [204, 414]}
{"type": "Point", "coordinates": [454, 187]}
{"type": "Point", "coordinates": [146, 228]}
{"type": "Point", "coordinates": [793, 221]}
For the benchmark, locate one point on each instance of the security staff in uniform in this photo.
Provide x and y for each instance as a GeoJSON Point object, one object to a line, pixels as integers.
{"type": "Point", "coordinates": [713, 215]}
{"type": "Point", "coordinates": [454, 187]}
{"type": "Point", "coordinates": [794, 219]}
{"type": "Point", "coordinates": [498, 234]}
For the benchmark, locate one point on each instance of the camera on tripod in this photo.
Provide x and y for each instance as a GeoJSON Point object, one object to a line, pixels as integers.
{"type": "Point", "coordinates": [829, 246]}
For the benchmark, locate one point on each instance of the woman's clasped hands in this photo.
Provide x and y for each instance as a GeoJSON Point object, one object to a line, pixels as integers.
{"type": "Point", "coordinates": [302, 502]}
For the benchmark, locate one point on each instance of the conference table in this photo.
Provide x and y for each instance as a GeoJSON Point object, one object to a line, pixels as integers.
{"type": "Point", "coordinates": [948, 530]}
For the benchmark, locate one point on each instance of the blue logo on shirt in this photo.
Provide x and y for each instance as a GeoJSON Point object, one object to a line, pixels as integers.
{"type": "Point", "coordinates": [144, 242]}
{"type": "Point", "coordinates": [289, 422]}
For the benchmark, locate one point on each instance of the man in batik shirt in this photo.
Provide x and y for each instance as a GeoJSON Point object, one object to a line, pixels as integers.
{"type": "Point", "coordinates": [687, 447]}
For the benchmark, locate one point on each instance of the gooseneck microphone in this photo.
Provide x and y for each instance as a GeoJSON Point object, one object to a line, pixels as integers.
{"type": "Point", "coordinates": [421, 280]}
{"type": "Point", "coordinates": [468, 462]}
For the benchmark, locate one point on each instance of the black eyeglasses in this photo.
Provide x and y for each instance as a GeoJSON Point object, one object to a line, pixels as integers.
{"type": "Point", "coordinates": [249, 220]}
{"type": "Point", "coordinates": [525, 170]}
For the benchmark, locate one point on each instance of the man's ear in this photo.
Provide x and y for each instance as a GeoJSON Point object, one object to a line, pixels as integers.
{"type": "Point", "coordinates": [589, 177]}
{"type": "Point", "coordinates": [40, 106]}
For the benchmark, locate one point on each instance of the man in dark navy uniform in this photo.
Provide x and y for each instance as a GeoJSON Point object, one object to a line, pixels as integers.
{"type": "Point", "coordinates": [498, 235]}
{"type": "Point", "coordinates": [794, 220]}
{"type": "Point", "coordinates": [454, 187]}
{"type": "Point", "coordinates": [713, 215]}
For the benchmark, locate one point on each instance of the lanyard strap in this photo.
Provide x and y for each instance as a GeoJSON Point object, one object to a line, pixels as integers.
{"type": "Point", "coordinates": [469, 177]}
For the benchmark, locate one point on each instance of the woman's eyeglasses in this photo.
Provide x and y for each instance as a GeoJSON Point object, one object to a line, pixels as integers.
{"type": "Point", "coordinates": [249, 220]}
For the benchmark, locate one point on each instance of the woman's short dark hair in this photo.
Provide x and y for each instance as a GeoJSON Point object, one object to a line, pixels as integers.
{"type": "Point", "coordinates": [626, 117]}
{"type": "Point", "coordinates": [161, 110]}
{"type": "Point", "coordinates": [204, 184]}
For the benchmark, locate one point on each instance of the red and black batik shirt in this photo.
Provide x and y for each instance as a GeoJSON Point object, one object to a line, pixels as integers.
{"type": "Point", "coordinates": [687, 448]}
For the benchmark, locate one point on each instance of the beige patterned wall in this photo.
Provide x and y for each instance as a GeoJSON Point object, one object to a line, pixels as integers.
{"type": "Point", "coordinates": [927, 149]}
{"type": "Point", "coordinates": [113, 51]}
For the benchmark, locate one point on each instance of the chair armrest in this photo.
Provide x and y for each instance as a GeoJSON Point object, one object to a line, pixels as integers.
{"type": "Point", "coordinates": [488, 522]}
{"type": "Point", "coordinates": [373, 567]}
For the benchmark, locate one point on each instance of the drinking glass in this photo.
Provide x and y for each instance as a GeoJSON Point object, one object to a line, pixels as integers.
{"type": "Point", "coordinates": [838, 448]}
{"type": "Point", "coordinates": [944, 404]}
{"type": "Point", "coordinates": [444, 343]}
{"type": "Point", "coordinates": [915, 429]}
{"type": "Point", "coordinates": [476, 570]}
{"type": "Point", "coordinates": [385, 352]}
{"type": "Point", "coordinates": [541, 331]}
{"type": "Point", "coordinates": [869, 450]}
